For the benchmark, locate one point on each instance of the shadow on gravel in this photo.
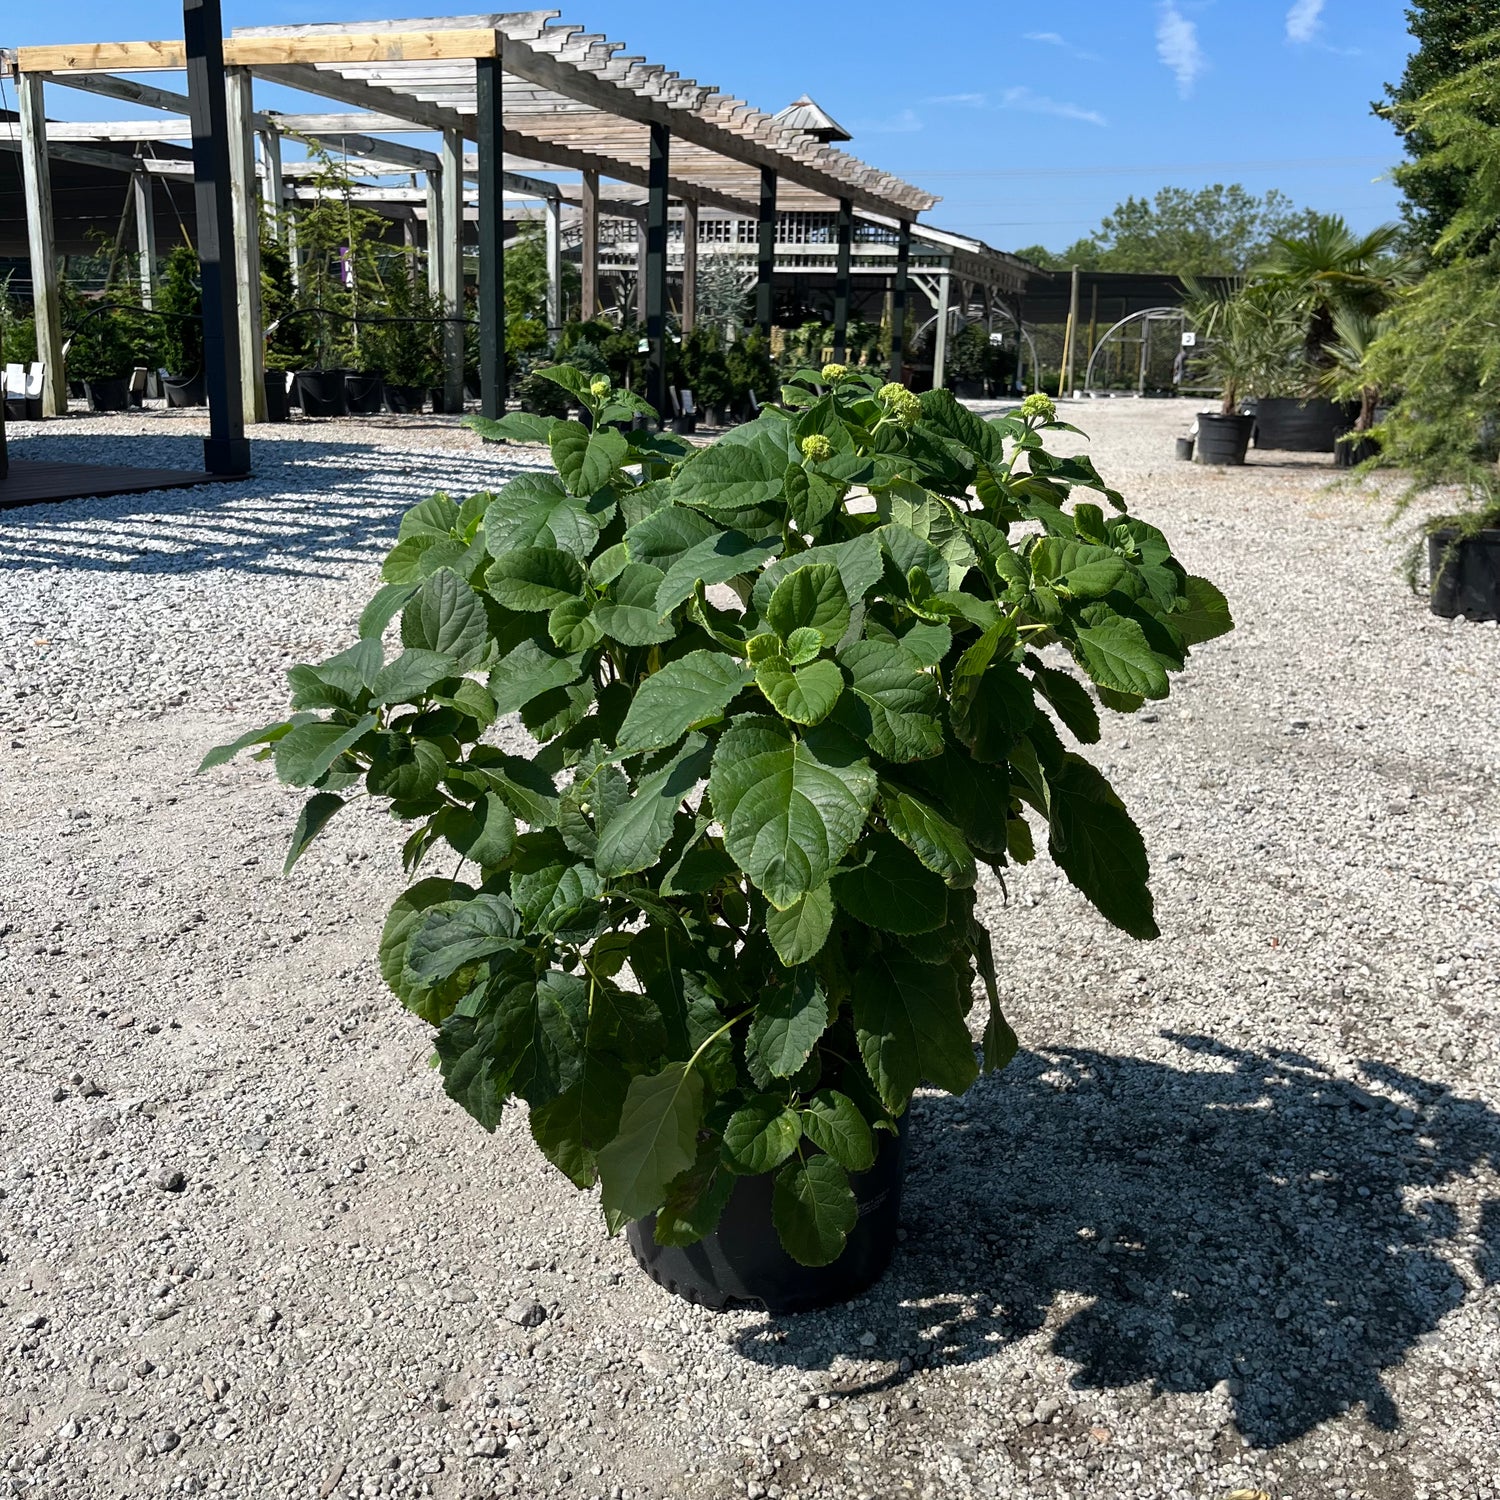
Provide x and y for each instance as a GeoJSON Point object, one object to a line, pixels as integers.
{"type": "Point", "coordinates": [1243, 1217]}
{"type": "Point", "coordinates": [308, 499]}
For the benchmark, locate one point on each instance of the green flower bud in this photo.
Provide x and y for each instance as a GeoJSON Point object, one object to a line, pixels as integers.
{"type": "Point", "coordinates": [1039, 406]}
{"type": "Point", "coordinates": [599, 386]}
{"type": "Point", "coordinates": [905, 406]}
{"type": "Point", "coordinates": [834, 372]}
{"type": "Point", "coordinates": [816, 448]}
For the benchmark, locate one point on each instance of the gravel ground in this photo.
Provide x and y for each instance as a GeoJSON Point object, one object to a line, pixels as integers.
{"type": "Point", "coordinates": [1231, 1220]}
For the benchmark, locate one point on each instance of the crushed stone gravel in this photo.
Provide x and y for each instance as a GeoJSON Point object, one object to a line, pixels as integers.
{"type": "Point", "coordinates": [1230, 1222]}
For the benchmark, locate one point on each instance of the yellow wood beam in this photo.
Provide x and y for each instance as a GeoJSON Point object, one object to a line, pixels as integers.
{"type": "Point", "coordinates": [263, 51]}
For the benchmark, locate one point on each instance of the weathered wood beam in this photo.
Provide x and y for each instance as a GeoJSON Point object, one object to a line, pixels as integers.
{"type": "Point", "coordinates": [272, 183]}
{"type": "Point", "coordinates": [766, 248]}
{"type": "Point", "coordinates": [262, 51]}
{"type": "Point", "coordinates": [656, 272]}
{"type": "Point", "coordinates": [554, 266]}
{"type": "Point", "coordinates": [87, 156]}
{"type": "Point", "coordinates": [141, 193]}
{"type": "Point", "coordinates": [489, 127]}
{"type": "Point", "coordinates": [36, 171]}
{"type": "Point", "coordinates": [689, 265]}
{"type": "Point", "coordinates": [590, 246]}
{"type": "Point", "coordinates": [451, 253]}
{"type": "Point", "coordinates": [246, 211]}
{"type": "Point", "coordinates": [898, 302]}
{"type": "Point", "coordinates": [845, 231]}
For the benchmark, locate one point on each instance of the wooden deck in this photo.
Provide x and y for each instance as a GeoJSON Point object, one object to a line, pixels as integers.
{"type": "Point", "coordinates": [31, 483]}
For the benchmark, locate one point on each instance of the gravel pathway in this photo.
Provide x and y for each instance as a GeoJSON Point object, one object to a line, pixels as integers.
{"type": "Point", "coordinates": [1231, 1220]}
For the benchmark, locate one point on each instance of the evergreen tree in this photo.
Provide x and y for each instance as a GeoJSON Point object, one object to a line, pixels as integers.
{"type": "Point", "coordinates": [1445, 31]}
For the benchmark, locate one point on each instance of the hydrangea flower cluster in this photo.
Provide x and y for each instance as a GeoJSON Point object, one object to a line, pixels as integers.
{"type": "Point", "coordinates": [816, 448]}
{"type": "Point", "coordinates": [1039, 407]}
{"type": "Point", "coordinates": [832, 373]}
{"type": "Point", "coordinates": [599, 386]}
{"type": "Point", "coordinates": [905, 406]}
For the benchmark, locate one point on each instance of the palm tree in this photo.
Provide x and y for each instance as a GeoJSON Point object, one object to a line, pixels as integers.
{"type": "Point", "coordinates": [1331, 269]}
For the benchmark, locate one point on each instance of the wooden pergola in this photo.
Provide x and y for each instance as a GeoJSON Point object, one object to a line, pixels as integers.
{"type": "Point", "coordinates": [530, 94]}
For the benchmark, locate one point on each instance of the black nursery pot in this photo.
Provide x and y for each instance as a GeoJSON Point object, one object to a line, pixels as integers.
{"type": "Point", "coordinates": [109, 394]}
{"type": "Point", "coordinates": [278, 407]}
{"type": "Point", "coordinates": [320, 393]}
{"type": "Point", "coordinates": [405, 398]}
{"type": "Point", "coordinates": [742, 1263]}
{"type": "Point", "coordinates": [184, 390]}
{"type": "Point", "coordinates": [1185, 449]}
{"type": "Point", "coordinates": [1221, 439]}
{"type": "Point", "coordinates": [364, 393]}
{"type": "Point", "coordinates": [1465, 579]}
{"type": "Point", "coordinates": [1293, 426]}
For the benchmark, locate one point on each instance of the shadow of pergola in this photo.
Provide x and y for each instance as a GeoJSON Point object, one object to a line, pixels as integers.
{"type": "Point", "coordinates": [310, 505]}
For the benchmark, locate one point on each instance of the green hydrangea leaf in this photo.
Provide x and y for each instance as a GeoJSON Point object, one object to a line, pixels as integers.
{"type": "Point", "coordinates": [799, 933]}
{"type": "Point", "coordinates": [833, 1123]}
{"type": "Point", "coordinates": [761, 1135]}
{"type": "Point", "coordinates": [658, 1139]}
{"type": "Point", "coordinates": [813, 1208]}
{"type": "Point", "coordinates": [685, 694]}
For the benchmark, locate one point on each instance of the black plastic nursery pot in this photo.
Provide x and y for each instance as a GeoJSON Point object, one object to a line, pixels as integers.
{"type": "Point", "coordinates": [1293, 426]}
{"type": "Point", "coordinates": [405, 399]}
{"type": "Point", "coordinates": [110, 394]}
{"type": "Point", "coordinates": [742, 1263]}
{"type": "Point", "coordinates": [1223, 439]}
{"type": "Point", "coordinates": [184, 390]}
{"type": "Point", "coordinates": [278, 405]}
{"type": "Point", "coordinates": [321, 393]}
{"type": "Point", "coordinates": [364, 393]}
{"type": "Point", "coordinates": [1465, 574]}
{"type": "Point", "coordinates": [437, 398]}
{"type": "Point", "coordinates": [1185, 449]}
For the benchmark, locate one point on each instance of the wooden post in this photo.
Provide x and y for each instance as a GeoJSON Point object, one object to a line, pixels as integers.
{"type": "Point", "coordinates": [689, 264]}
{"type": "Point", "coordinates": [898, 301]}
{"type": "Point", "coordinates": [841, 277]}
{"type": "Point", "coordinates": [226, 450]}
{"type": "Point", "coordinates": [40, 243]}
{"type": "Point", "coordinates": [433, 185]}
{"type": "Point", "coordinates": [590, 307]}
{"type": "Point", "coordinates": [272, 188]}
{"type": "Point", "coordinates": [766, 252]}
{"type": "Point", "coordinates": [656, 270]}
{"type": "Point", "coordinates": [940, 334]}
{"type": "Point", "coordinates": [252, 351]}
{"type": "Point", "coordinates": [489, 124]}
{"type": "Point", "coordinates": [145, 234]}
{"type": "Point", "coordinates": [451, 268]}
{"type": "Point", "coordinates": [556, 313]}
{"type": "Point", "coordinates": [1072, 349]}
{"type": "Point", "coordinates": [640, 273]}
{"type": "Point", "coordinates": [1093, 321]}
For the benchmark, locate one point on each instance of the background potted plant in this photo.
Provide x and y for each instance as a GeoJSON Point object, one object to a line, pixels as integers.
{"type": "Point", "coordinates": [1326, 272]}
{"type": "Point", "coordinates": [1248, 343]}
{"type": "Point", "coordinates": [1438, 356]}
{"type": "Point", "coordinates": [408, 347]}
{"type": "Point", "coordinates": [179, 298]}
{"type": "Point", "coordinates": [722, 923]}
{"type": "Point", "coordinates": [99, 350]}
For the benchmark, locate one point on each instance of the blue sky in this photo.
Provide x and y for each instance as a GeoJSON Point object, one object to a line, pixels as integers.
{"type": "Point", "coordinates": [1030, 121]}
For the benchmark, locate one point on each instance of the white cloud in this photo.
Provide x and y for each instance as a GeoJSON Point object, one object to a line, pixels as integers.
{"type": "Point", "coordinates": [1052, 39]}
{"type": "Point", "coordinates": [902, 123]}
{"type": "Point", "coordinates": [1039, 104]}
{"type": "Point", "coordinates": [1177, 47]}
{"type": "Point", "coordinates": [969, 101]}
{"type": "Point", "coordinates": [1302, 20]}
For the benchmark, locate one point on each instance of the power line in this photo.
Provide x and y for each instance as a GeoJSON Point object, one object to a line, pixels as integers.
{"type": "Point", "coordinates": [1306, 164]}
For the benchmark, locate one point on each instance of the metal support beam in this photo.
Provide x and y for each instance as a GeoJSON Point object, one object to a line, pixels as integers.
{"type": "Point", "coordinates": [940, 332]}
{"type": "Point", "coordinates": [766, 251]}
{"type": "Point", "coordinates": [656, 271]}
{"type": "Point", "coordinates": [272, 187]}
{"type": "Point", "coordinates": [226, 450]}
{"type": "Point", "coordinates": [451, 269]}
{"type": "Point", "coordinates": [237, 95]}
{"type": "Point", "coordinates": [841, 275]}
{"type": "Point", "coordinates": [554, 267]}
{"type": "Point", "coordinates": [898, 301]}
{"type": "Point", "coordinates": [145, 234]}
{"type": "Point", "coordinates": [590, 203]}
{"type": "Point", "coordinates": [36, 170]}
{"type": "Point", "coordinates": [689, 265]}
{"type": "Point", "coordinates": [488, 127]}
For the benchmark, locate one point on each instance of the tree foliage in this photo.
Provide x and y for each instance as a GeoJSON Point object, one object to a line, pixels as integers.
{"type": "Point", "coordinates": [723, 920]}
{"type": "Point", "coordinates": [1452, 36]}
{"type": "Point", "coordinates": [1211, 231]}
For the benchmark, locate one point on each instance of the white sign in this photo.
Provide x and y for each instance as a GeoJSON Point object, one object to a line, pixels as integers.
{"type": "Point", "coordinates": [1189, 339]}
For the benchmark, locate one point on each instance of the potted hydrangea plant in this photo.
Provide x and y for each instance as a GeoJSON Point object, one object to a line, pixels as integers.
{"type": "Point", "coordinates": [789, 694]}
